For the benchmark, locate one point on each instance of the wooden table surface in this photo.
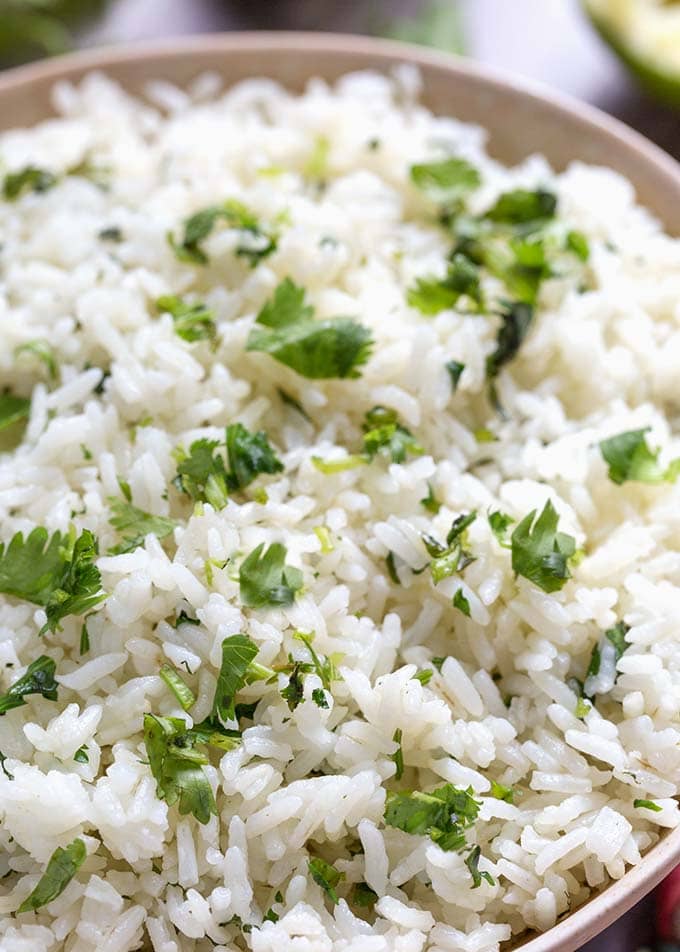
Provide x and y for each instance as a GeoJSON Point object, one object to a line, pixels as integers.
{"type": "Point", "coordinates": [547, 40]}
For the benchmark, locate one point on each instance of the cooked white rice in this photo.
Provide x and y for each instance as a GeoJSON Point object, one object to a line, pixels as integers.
{"type": "Point", "coordinates": [601, 358]}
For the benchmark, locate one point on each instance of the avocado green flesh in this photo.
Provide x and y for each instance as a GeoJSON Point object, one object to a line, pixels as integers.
{"type": "Point", "coordinates": [663, 84]}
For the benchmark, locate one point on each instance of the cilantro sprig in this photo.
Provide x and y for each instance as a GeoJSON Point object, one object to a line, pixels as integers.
{"type": "Point", "coordinates": [539, 552]}
{"type": "Point", "coordinates": [56, 572]}
{"type": "Point", "coordinates": [286, 329]}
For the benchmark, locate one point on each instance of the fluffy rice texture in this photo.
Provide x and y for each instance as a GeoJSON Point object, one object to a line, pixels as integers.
{"type": "Point", "coordinates": [600, 359]}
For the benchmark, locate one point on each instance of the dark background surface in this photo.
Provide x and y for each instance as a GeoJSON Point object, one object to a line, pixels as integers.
{"type": "Point", "coordinates": [546, 40]}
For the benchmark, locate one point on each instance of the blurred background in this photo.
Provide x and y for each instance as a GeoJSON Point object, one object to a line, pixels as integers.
{"type": "Point", "coordinates": [554, 41]}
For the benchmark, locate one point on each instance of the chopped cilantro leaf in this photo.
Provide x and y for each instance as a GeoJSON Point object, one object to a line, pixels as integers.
{"type": "Point", "coordinates": [3, 768]}
{"type": "Point", "coordinates": [42, 351]}
{"type": "Point", "coordinates": [500, 522]}
{"type": "Point", "coordinates": [326, 876]}
{"type": "Point", "coordinates": [201, 473]}
{"type": "Point", "coordinates": [135, 525]}
{"type": "Point", "coordinates": [112, 233]}
{"type": "Point", "coordinates": [398, 756]}
{"type": "Point", "coordinates": [445, 181]}
{"type": "Point", "coordinates": [178, 686]}
{"type": "Point", "coordinates": [443, 814]}
{"type": "Point", "coordinates": [238, 652]}
{"type": "Point", "coordinates": [516, 320]}
{"type": "Point", "coordinates": [330, 466]}
{"type": "Point", "coordinates": [257, 242]}
{"type": "Point", "coordinates": [454, 556]}
{"type": "Point", "coordinates": [617, 636]}
{"type": "Point", "coordinates": [502, 793]}
{"type": "Point", "coordinates": [28, 179]}
{"type": "Point", "coordinates": [424, 676]}
{"type": "Point", "coordinates": [266, 580]}
{"type": "Point", "coordinates": [192, 322]}
{"type": "Point", "coordinates": [177, 766]}
{"type": "Point", "coordinates": [249, 454]}
{"type": "Point", "coordinates": [455, 369]}
{"type": "Point", "coordinates": [325, 538]}
{"type": "Point", "coordinates": [431, 295]}
{"type": "Point", "coordinates": [286, 329]}
{"type": "Point", "coordinates": [438, 662]}
{"type": "Point", "coordinates": [472, 863]}
{"type": "Point", "coordinates": [630, 459]}
{"type": "Point", "coordinates": [522, 206]}
{"type": "Point", "coordinates": [583, 707]}
{"type": "Point", "coordinates": [325, 670]}
{"type": "Point", "coordinates": [392, 568]}
{"type": "Point", "coordinates": [577, 243]}
{"type": "Point", "coordinates": [430, 502]}
{"type": "Point", "coordinates": [319, 698]}
{"type": "Point", "coordinates": [385, 435]}
{"type": "Point", "coordinates": [62, 866]}
{"type": "Point", "coordinates": [539, 552]}
{"type": "Point", "coordinates": [294, 692]}
{"type": "Point", "coordinates": [363, 896]}
{"type": "Point", "coordinates": [38, 679]}
{"type": "Point", "coordinates": [461, 603]}
{"type": "Point", "coordinates": [81, 756]}
{"type": "Point", "coordinates": [13, 409]}
{"type": "Point", "coordinates": [647, 805]}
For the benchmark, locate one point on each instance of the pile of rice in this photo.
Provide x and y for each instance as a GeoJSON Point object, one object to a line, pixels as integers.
{"type": "Point", "coordinates": [601, 358]}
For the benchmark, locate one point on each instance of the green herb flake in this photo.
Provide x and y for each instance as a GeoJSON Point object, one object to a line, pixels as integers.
{"type": "Point", "coordinates": [316, 349]}
{"type": "Point", "coordinates": [392, 568]}
{"type": "Point", "coordinates": [443, 814]}
{"type": "Point", "coordinates": [84, 639]}
{"type": "Point", "coordinates": [265, 580]}
{"type": "Point", "coordinates": [445, 181]}
{"type": "Point", "coordinates": [516, 319]}
{"type": "Point", "coordinates": [28, 179]}
{"type": "Point", "coordinates": [397, 757]}
{"type": "Point", "coordinates": [539, 552]}
{"type": "Point", "coordinates": [326, 876]}
{"type": "Point", "coordinates": [431, 295]}
{"type": "Point", "coordinates": [176, 766]}
{"type": "Point", "coordinates": [201, 473]}
{"type": "Point", "coordinates": [248, 454]}
{"type": "Point", "coordinates": [454, 556]}
{"type": "Point", "coordinates": [499, 792]}
{"type": "Point", "coordinates": [461, 603]}
{"type": "Point", "coordinates": [522, 206]}
{"type": "Point", "coordinates": [81, 756]}
{"type": "Point", "coordinates": [135, 525]}
{"type": "Point", "coordinates": [363, 896]}
{"type": "Point", "coordinates": [577, 243]}
{"type": "Point", "coordinates": [178, 686]}
{"type": "Point", "coordinates": [192, 321]}
{"type": "Point", "coordinates": [454, 369]}
{"type": "Point", "coordinates": [112, 233]}
{"type": "Point", "coordinates": [500, 523]}
{"type": "Point", "coordinates": [631, 460]}
{"type": "Point", "coordinates": [647, 805]}
{"type": "Point", "coordinates": [42, 351]}
{"type": "Point", "coordinates": [13, 410]}
{"type": "Point", "coordinates": [4, 768]}
{"type": "Point", "coordinates": [323, 534]}
{"type": "Point", "coordinates": [257, 241]}
{"type": "Point", "coordinates": [617, 636]}
{"type": "Point", "coordinates": [63, 864]}
{"type": "Point", "coordinates": [430, 502]}
{"type": "Point", "coordinates": [384, 435]}
{"type": "Point", "coordinates": [331, 466]}
{"type": "Point", "coordinates": [472, 863]}
{"type": "Point", "coordinates": [238, 653]}
{"type": "Point", "coordinates": [38, 679]}
{"type": "Point", "coordinates": [583, 708]}
{"type": "Point", "coordinates": [319, 698]}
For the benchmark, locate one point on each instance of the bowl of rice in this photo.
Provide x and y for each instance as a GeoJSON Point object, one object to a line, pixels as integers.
{"type": "Point", "coordinates": [339, 523]}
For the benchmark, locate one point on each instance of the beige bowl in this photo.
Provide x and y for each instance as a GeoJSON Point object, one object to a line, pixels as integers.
{"type": "Point", "coordinates": [522, 118]}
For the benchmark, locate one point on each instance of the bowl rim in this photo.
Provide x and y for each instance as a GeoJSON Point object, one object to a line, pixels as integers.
{"type": "Point", "coordinates": [602, 908]}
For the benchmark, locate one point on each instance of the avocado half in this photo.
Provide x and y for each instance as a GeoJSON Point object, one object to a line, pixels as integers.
{"type": "Point", "coordinates": [645, 34]}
